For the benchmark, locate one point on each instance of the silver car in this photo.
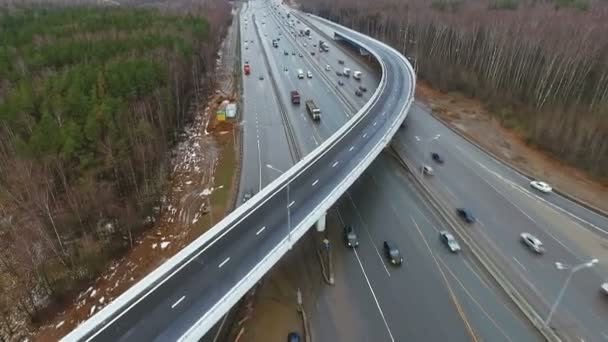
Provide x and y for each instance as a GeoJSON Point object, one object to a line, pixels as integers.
{"type": "Point", "coordinates": [532, 242]}
{"type": "Point", "coordinates": [448, 239]}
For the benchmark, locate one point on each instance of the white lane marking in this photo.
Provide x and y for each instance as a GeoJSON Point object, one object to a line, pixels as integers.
{"type": "Point", "coordinates": [290, 204]}
{"type": "Point", "coordinates": [177, 303]}
{"type": "Point", "coordinates": [224, 262]}
{"type": "Point", "coordinates": [315, 182]}
{"type": "Point", "coordinates": [334, 164]}
{"type": "Point", "coordinates": [351, 148]}
{"type": "Point", "coordinates": [260, 231]}
{"type": "Point", "coordinates": [364, 225]}
{"type": "Point", "coordinates": [520, 264]}
{"type": "Point", "coordinates": [417, 138]}
{"type": "Point", "coordinates": [369, 285]}
{"type": "Point", "coordinates": [365, 135]}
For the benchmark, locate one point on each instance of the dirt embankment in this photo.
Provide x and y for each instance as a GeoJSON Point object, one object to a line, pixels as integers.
{"type": "Point", "coordinates": [474, 121]}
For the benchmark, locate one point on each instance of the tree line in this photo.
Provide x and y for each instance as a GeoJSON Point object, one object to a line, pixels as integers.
{"type": "Point", "coordinates": [91, 101]}
{"type": "Point", "coordinates": [541, 66]}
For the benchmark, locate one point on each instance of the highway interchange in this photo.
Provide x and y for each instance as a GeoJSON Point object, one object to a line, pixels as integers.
{"type": "Point", "coordinates": [452, 297]}
{"type": "Point", "coordinates": [434, 295]}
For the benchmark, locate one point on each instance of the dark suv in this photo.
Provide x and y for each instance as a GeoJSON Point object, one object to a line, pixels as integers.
{"type": "Point", "coordinates": [391, 251]}
{"type": "Point", "coordinates": [437, 158]}
{"type": "Point", "coordinates": [350, 237]}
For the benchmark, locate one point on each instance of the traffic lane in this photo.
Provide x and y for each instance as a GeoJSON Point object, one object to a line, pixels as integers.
{"type": "Point", "coordinates": [346, 311]}
{"type": "Point", "coordinates": [491, 314]}
{"type": "Point", "coordinates": [415, 281]}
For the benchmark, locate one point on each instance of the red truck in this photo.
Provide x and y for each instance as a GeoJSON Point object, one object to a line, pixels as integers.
{"type": "Point", "coordinates": [247, 69]}
{"type": "Point", "coordinates": [295, 97]}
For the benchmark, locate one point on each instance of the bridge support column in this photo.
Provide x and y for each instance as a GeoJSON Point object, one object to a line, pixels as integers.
{"type": "Point", "coordinates": [321, 223]}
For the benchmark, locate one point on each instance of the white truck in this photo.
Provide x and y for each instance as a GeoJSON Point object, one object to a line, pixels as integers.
{"type": "Point", "coordinates": [357, 75]}
{"type": "Point", "coordinates": [346, 72]}
{"type": "Point", "coordinates": [300, 74]}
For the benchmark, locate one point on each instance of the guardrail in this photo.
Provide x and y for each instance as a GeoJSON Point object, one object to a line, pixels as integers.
{"type": "Point", "coordinates": [131, 297]}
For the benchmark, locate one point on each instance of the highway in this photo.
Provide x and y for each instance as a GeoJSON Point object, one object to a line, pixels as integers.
{"type": "Point", "coordinates": [184, 293]}
{"type": "Point", "coordinates": [434, 286]}
{"type": "Point", "coordinates": [506, 206]}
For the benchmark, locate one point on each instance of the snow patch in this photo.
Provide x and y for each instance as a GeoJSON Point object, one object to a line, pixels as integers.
{"type": "Point", "coordinates": [93, 293]}
{"type": "Point", "coordinates": [59, 325]}
{"type": "Point", "coordinates": [164, 245]}
{"type": "Point", "coordinates": [92, 310]}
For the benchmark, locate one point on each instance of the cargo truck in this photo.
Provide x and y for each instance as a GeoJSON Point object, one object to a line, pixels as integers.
{"type": "Point", "coordinates": [313, 110]}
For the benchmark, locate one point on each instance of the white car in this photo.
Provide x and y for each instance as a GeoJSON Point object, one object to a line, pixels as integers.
{"type": "Point", "coordinates": [541, 186]}
{"type": "Point", "coordinates": [327, 67]}
{"type": "Point", "coordinates": [427, 170]}
{"type": "Point", "coordinates": [309, 74]}
{"type": "Point", "coordinates": [448, 239]}
{"type": "Point", "coordinates": [532, 242]}
{"type": "Point", "coordinates": [604, 288]}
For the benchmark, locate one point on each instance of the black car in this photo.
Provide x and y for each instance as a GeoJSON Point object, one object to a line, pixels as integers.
{"type": "Point", "coordinates": [436, 157]}
{"type": "Point", "coordinates": [350, 237]}
{"type": "Point", "coordinates": [358, 92]}
{"type": "Point", "coordinates": [340, 61]}
{"type": "Point", "coordinates": [285, 53]}
{"type": "Point", "coordinates": [465, 215]}
{"type": "Point", "coordinates": [391, 251]}
{"type": "Point", "coordinates": [293, 337]}
{"type": "Point", "coordinates": [362, 88]}
{"type": "Point", "coordinates": [312, 53]}
{"type": "Point", "coordinates": [293, 53]}
{"type": "Point", "coordinates": [340, 82]}
{"type": "Point", "coordinates": [338, 73]}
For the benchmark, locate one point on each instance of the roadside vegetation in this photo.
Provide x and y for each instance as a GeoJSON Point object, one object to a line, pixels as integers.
{"type": "Point", "coordinates": [91, 101]}
{"type": "Point", "coordinates": [540, 66]}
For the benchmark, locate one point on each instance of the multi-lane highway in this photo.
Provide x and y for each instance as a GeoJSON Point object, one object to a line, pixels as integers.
{"type": "Point", "coordinates": [372, 301]}
{"type": "Point", "coordinates": [505, 206]}
{"type": "Point", "coordinates": [189, 293]}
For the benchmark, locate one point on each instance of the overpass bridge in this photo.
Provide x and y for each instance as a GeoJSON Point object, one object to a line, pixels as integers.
{"type": "Point", "coordinates": [218, 268]}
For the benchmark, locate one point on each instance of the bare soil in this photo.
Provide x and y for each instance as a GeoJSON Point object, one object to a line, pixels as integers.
{"type": "Point", "coordinates": [206, 147]}
{"type": "Point", "coordinates": [469, 117]}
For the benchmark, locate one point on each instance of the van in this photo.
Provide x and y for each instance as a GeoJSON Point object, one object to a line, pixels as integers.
{"type": "Point", "coordinates": [300, 74]}
{"type": "Point", "coordinates": [357, 75]}
{"type": "Point", "coordinates": [346, 72]}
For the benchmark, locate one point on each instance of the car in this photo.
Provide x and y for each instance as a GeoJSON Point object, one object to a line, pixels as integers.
{"type": "Point", "coordinates": [246, 47]}
{"type": "Point", "coordinates": [448, 239]}
{"type": "Point", "coordinates": [604, 288]}
{"type": "Point", "coordinates": [261, 77]}
{"type": "Point", "coordinates": [340, 82]}
{"type": "Point", "coordinates": [327, 67]}
{"type": "Point", "coordinates": [427, 170]}
{"type": "Point", "coordinates": [278, 39]}
{"type": "Point", "coordinates": [436, 157]}
{"type": "Point", "coordinates": [251, 41]}
{"type": "Point", "coordinates": [309, 74]}
{"type": "Point", "coordinates": [246, 61]}
{"type": "Point", "coordinates": [340, 61]}
{"type": "Point", "coordinates": [350, 237]}
{"type": "Point", "coordinates": [532, 242]}
{"type": "Point", "coordinates": [312, 53]}
{"type": "Point", "coordinates": [304, 44]}
{"type": "Point", "coordinates": [338, 73]}
{"type": "Point", "coordinates": [314, 45]}
{"type": "Point", "coordinates": [358, 92]}
{"type": "Point", "coordinates": [465, 215]}
{"type": "Point", "coordinates": [293, 53]}
{"type": "Point", "coordinates": [293, 337]}
{"type": "Point", "coordinates": [391, 251]}
{"type": "Point", "coordinates": [362, 88]}
{"type": "Point", "coordinates": [300, 54]}
{"type": "Point", "coordinates": [541, 186]}
{"type": "Point", "coordinates": [285, 53]}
